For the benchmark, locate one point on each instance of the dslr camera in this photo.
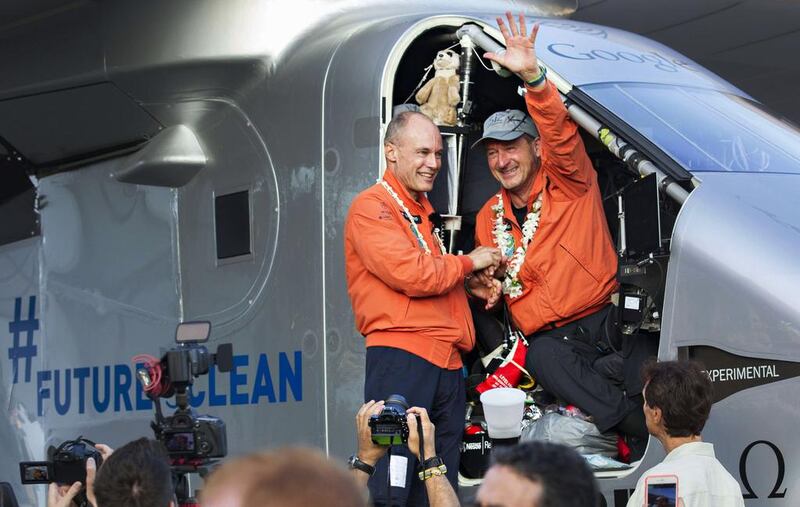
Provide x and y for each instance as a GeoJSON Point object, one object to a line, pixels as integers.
{"type": "Point", "coordinates": [390, 427]}
{"type": "Point", "coordinates": [67, 465]}
{"type": "Point", "coordinates": [188, 437]}
{"type": "Point", "coordinates": [191, 436]}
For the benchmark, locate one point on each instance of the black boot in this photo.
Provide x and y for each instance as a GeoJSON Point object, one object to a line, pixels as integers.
{"type": "Point", "coordinates": [634, 428]}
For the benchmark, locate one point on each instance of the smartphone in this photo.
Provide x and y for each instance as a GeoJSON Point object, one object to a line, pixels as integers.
{"type": "Point", "coordinates": [662, 491]}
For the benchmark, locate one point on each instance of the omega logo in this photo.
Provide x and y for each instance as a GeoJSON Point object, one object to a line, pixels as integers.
{"type": "Point", "coordinates": [781, 471]}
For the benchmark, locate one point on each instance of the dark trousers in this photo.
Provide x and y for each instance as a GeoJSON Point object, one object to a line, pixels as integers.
{"type": "Point", "coordinates": [394, 371]}
{"type": "Point", "coordinates": [572, 363]}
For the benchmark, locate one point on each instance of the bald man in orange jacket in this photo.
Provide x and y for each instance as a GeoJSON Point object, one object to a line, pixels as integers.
{"type": "Point", "coordinates": [409, 300]}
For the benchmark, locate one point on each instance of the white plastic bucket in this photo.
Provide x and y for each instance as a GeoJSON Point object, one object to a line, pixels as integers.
{"type": "Point", "coordinates": [503, 408]}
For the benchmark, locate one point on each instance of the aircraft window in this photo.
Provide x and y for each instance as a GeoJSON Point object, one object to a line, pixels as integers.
{"type": "Point", "coordinates": [17, 203]}
{"type": "Point", "coordinates": [232, 224]}
{"type": "Point", "coordinates": [705, 130]}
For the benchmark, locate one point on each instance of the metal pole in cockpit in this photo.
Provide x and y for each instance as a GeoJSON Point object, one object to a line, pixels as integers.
{"type": "Point", "coordinates": [457, 151]}
{"type": "Point", "coordinates": [456, 175]}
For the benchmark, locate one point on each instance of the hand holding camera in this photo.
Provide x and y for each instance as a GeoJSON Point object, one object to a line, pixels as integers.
{"type": "Point", "coordinates": [62, 496]}
{"type": "Point", "coordinates": [73, 464]}
{"type": "Point", "coordinates": [418, 416]}
{"type": "Point", "coordinates": [368, 451]}
{"type": "Point", "coordinates": [397, 424]}
{"type": "Point", "coordinates": [394, 424]}
{"type": "Point", "coordinates": [91, 471]}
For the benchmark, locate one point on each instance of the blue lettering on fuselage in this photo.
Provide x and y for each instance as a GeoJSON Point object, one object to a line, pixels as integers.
{"type": "Point", "coordinates": [116, 388]}
{"type": "Point", "coordinates": [251, 381]}
{"type": "Point", "coordinates": [214, 399]}
{"type": "Point", "coordinates": [262, 387]}
{"type": "Point", "coordinates": [238, 380]}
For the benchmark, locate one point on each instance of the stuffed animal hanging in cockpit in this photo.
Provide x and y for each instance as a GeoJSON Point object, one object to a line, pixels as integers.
{"type": "Point", "coordinates": [439, 97]}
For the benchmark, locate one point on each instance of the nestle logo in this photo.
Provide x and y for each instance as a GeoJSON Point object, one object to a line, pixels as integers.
{"type": "Point", "coordinates": [476, 446]}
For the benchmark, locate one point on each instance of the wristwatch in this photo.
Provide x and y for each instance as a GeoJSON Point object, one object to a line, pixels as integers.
{"type": "Point", "coordinates": [433, 462]}
{"type": "Point", "coordinates": [432, 467]}
{"type": "Point", "coordinates": [354, 463]}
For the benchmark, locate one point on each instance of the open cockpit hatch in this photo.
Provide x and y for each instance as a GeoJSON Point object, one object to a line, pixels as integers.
{"type": "Point", "coordinates": [640, 201]}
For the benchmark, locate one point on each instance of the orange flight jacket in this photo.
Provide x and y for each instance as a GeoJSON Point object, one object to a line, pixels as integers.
{"type": "Point", "coordinates": [403, 297]}
{"type": "Point", "coordinates": [570, 266]}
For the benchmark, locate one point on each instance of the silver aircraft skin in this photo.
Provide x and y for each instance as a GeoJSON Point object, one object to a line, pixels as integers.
{"type": "Point", "coordinates": [137, 116]}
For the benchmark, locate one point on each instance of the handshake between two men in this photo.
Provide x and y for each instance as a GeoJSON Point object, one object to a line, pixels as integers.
{"type": "Point", "coordinates": [488, 264]}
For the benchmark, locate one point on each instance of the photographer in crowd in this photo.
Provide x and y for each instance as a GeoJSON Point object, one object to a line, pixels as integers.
{"type": "Point", "coordinates": [136, 475]}
{"type": "Point", "coordinates": [63, 496]}
{"type": "Point", "coordinates": [530, 474]}
{"type": "Point", "coordinates": [440, 492]}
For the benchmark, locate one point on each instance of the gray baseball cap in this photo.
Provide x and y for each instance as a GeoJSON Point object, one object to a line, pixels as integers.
{"type": "Point", "coordinates": [507, 125]}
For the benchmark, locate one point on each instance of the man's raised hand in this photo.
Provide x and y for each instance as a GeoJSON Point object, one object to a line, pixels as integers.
{"type": "Point", "coordinates": [520, 54]}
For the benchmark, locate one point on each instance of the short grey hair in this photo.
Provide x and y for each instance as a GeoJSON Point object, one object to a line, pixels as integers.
{"type": "Point", "coordinates": [398, 124]}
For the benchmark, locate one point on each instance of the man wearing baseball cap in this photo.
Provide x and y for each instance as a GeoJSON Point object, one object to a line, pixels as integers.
{"type": "Point", "coordinates": [548, 220]}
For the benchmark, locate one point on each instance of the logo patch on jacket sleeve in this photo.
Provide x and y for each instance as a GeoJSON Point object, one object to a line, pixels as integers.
{"type": "Point", "coordinates": [384, 213]}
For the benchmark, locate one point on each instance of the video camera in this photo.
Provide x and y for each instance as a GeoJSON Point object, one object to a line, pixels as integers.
{"type": "Point", "coordinates": [67, 465]}
{"type": "Point", "coordinates": [390, 427]}
{"type": "Point", "coordinates": [189, 438]}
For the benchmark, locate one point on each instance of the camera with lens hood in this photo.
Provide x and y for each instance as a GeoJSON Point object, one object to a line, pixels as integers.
{"type": "Point", "coordinates": [390, 426]}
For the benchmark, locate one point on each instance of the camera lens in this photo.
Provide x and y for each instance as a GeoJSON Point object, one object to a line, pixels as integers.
{"type": "Point", "coordinates": [398, 402]}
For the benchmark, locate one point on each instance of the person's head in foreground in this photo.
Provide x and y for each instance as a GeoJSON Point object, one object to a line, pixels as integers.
{"type": "Point", "coordinates": [135, 475]}
{"type": "Point", "coordinates": [537, 474]}
{"type": "Point", "coordinates": [289, 477]}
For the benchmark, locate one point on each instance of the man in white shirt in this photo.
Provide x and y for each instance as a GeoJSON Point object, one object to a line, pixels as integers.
{"type": "Point", "coordinates": [677, 401]}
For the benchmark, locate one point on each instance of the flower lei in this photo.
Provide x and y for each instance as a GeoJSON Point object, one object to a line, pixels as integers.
{"type": "Point", "coordinates": [512, 287]}
{"type": "Point", "coordinates": [414, 228]}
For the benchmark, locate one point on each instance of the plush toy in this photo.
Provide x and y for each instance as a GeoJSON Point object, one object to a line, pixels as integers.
{"type": "Point", "coordinates": [439, 96]}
